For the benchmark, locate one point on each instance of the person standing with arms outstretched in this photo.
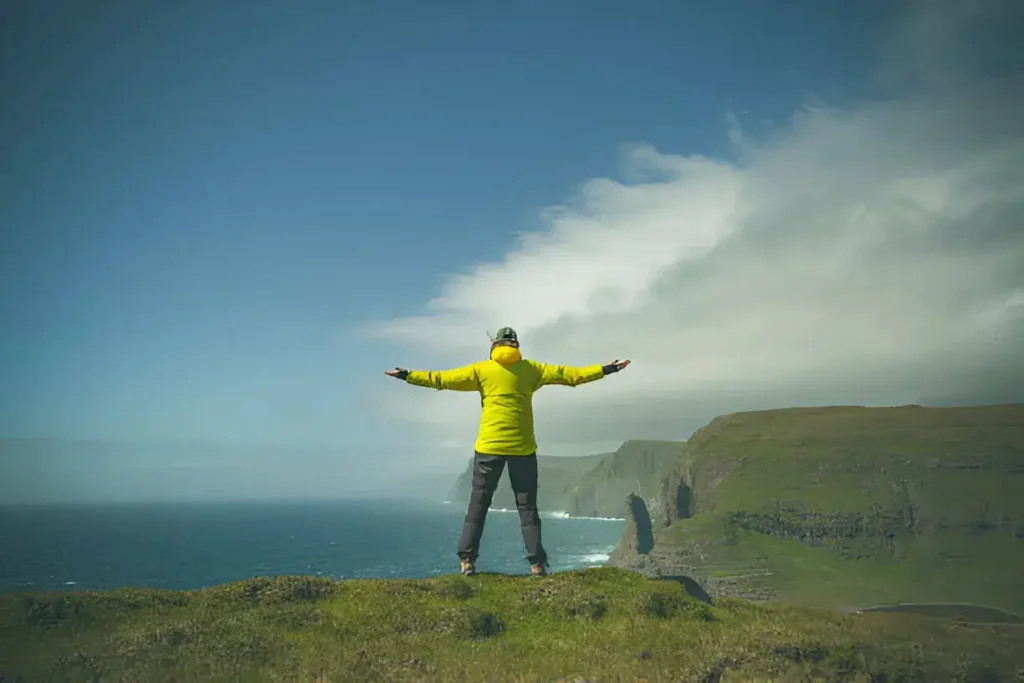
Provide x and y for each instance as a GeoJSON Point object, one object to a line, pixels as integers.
{"type": "Point", "coordinates": [506, 383]}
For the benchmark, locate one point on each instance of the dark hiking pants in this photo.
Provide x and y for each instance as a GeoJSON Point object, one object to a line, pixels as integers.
{"type": "Point", "coordinates": [522, 473]}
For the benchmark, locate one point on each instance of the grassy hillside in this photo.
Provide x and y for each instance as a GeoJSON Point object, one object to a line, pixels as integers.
{"type": "Point", "coordinates": [851, 506]}
{"type": "Point", "coordinates": [636, 467]}
{"type": "Point", "coordinates": [591, 625]}
{"type": "Point", "coordinates": [558, 477]}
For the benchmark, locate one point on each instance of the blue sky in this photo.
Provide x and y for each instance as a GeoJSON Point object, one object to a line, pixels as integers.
{"type": "Point", "coordinates": [204, 202]}
{"type": "Point", "coordinates": [204, 196]}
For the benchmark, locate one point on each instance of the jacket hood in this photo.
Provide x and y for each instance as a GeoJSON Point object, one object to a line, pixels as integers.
{"type": "Point", "coordinates": [506, 355]}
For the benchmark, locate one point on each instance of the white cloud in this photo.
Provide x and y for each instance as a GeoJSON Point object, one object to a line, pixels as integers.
{"type": "Point", "coordinates": [873, 254]}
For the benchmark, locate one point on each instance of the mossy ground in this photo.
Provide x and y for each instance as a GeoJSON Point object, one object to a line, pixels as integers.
{"type": "Point", "coordinates": [600, 624]}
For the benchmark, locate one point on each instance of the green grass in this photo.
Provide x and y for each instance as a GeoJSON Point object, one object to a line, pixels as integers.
{"type": "Point", "coordinates": [602, 624]}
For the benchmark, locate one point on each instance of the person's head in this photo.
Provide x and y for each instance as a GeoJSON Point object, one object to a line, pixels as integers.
{"type": "Point", "coordinates": [506, 337]}
{"type": "Point", "coordinates": [505, 347]}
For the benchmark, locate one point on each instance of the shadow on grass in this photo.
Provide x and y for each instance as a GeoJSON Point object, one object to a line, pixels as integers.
{"type": "Point", "coordinates": [526, 575]}
{"type": "Point", "coordinates": [692, 587]}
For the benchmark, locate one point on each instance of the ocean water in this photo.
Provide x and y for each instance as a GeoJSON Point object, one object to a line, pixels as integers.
{"type": "Point", "coordinates": [191, 545]}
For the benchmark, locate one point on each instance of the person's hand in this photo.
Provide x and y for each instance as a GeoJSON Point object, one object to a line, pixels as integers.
{"type": "Point", "coordinates": [615, 366]}
{"type": "Point", "coordinates": [397, 373]}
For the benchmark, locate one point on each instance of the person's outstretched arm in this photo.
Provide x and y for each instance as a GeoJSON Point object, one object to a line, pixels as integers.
{"type": "Point", "coordinates": [458, 379]}
{"type": "Point", "coordinates": [567, 375]}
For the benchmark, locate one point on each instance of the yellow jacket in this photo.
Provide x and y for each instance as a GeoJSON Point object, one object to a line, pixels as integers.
{"type": "Point", "coordinates": [506, 384]}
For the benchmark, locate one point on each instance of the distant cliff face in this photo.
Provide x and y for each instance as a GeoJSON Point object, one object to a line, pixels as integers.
{"type": "Point", "coordinates": [846, 507]}
{"type": "Point", "coordinates": [558, 478]}
{"type": "Point", "coordinates": [589, 486]}
{"type": "Point", "coordinates": [637, 467]}
{"type": "Point", "coordinates": [638, 536]}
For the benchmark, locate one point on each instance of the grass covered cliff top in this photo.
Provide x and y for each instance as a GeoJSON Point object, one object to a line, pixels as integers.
{"type": "Point", "coordinates": [849, 506]}
{"type": "Point", "coordinates": [850, 458]}
{"type": "Point", "coordinates": [599, 624]}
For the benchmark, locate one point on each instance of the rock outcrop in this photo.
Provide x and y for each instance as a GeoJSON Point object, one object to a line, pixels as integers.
{"type": "Point", "coordinates": [637, 552]}
{"type": "Point", "coordinates": [638, 536]}
{"type": "Point", "coordinates": [674, 501]}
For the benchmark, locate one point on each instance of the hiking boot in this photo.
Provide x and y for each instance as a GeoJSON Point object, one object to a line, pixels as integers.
{"type": "Point", "coordinates": [539, 569]}
{"type": "Point", "coordinates": [468, 568]}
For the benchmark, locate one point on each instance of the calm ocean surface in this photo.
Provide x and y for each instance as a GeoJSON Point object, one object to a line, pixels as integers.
{"type": "Point", "coordinates": [191, 545]}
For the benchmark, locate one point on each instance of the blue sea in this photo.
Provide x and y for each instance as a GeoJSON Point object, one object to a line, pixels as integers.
{"type": "Point", "coordinates": [191, 545]}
